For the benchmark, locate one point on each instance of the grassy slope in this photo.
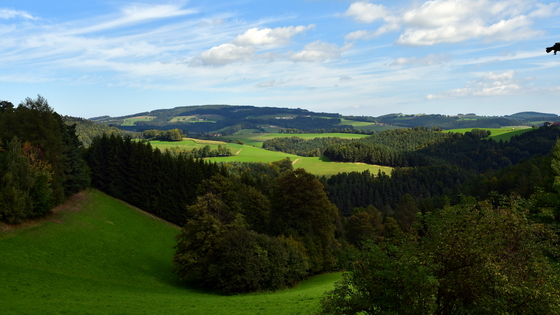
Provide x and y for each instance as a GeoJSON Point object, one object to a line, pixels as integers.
{"type": "Point", "coordinates": [97, 255]}
{"type": "Point", "coordinates": [250, 153]}
{"type": "Point", "coordinates": [504, 133]}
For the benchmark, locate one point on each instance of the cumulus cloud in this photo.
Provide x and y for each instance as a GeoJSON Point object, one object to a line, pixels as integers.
{"type": "Point", "coordinates": [491, 83]}
{"type": "Point", "coordinates": [451, 21]}
{"type": "Point", "coordinates": [9, 14]}
{"type": "Point", "coordinates": [317, 51]}
{"type": "Point", "coordinates": [366, 12]}
{"type": "Point", "coordinates": [267, 36]}
{"type": "Point", "coordinates": [223, 54]}
{"type": "Point", "coordinates": [244, 46]}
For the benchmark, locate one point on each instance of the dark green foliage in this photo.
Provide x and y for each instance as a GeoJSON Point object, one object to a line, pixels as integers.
{"type": "Point", "coordinates": [302, 210]}
{"type": "Point", "coordinates": [350, 190]}
{"type": "Point", "coordinates": [364, 225]}
{"type": "Point", "coordinates": [447, 122]}
{"type": "Point", "coordinates": [203, 152]}
{"type": "Point", "coordinates": [473, 259]}
{"type": "Point", "coordinates": [300, 146]}
{"type": "Point", "coordinates": [87, 130]}
{"type": "Point", "coordinates": [163, 135]}
{"type": "Point", "coordinates": [43, 163]}
{"type": "Point", "coordinates": [15, 184]}
{"type": "Point", "coordinates": [423, 147]}
{"type": "Point", "coordinates": [156, 182]}
{"type": "Point", "coordinates": [217, 250]}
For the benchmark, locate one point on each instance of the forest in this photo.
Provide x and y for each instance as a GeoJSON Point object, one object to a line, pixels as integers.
{"type": "Point", "coordinates": [463, 224]}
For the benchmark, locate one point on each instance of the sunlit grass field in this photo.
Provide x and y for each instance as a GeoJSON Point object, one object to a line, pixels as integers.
{"type": "Point", "coordinates": [98, 255]}
{"type": "Point", "coordinates": [131, 121]}
{"type": "Point", "coordinates": [249, 153]}
{"type": "Point", "coordinates": [504, 133]}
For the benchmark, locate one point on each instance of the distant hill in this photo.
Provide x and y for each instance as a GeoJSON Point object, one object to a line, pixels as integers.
{"type": "Point", "coordinates": [219, 120]}
{"type": "Point", "coordinates": [226, 119]}
{"type": "Point", "coordinates": [533, 116]}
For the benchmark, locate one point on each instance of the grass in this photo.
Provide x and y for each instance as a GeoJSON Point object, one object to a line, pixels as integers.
{"type": "Point", "coordinates": [504, 133]}
{"type": "Point", "coordinates": [254, 153]}
{"type": "Point", "coordinates": [323, 167]}
{"type": "Point", "coordinates": [131, 121]}
{"type": "Point", "coordinates": [97, 255]}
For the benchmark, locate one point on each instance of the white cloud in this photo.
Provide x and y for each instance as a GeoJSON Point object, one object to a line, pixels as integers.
{"type": "Point", "coordinates": [134, 14]}
{"type": "Point", "coordinates": [452, 21]}
{"type": "Point", "coordinates": [429, 60]}
{"type": "Point", "coordinates": [546, 10]}
{"type": "Point", "coordinates": [491, 83]}
{"type": "Point", "coordinates": [513, 29]}
{"type": "Point", "coordinates": [270, 83]}
{"type": "Point", "coordinates": [244, 46]}
{"type": "Point", "coordinates": [317, 51]}
{"type": "Point", "coordinates": [367, 12]}
{"type": "Point", "coordinates": [223, 54]}
{"type": "Point", "coordinates": [267, 36]}
{"type": "Point", "coordinates": [8, 14]}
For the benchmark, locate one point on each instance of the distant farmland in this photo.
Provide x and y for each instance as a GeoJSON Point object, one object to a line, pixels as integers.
{"type": "Point", "coordinates": [254, 153]}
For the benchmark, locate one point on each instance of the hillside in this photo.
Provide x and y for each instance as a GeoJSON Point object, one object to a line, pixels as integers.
{"type": "Point", "coordinates": [98, 255]}
{"type": "Point", "coordinates": [221, 120]}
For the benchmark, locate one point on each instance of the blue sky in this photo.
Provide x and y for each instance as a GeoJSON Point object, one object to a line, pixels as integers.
{"type": "Point", "coordinates": [93, 58]}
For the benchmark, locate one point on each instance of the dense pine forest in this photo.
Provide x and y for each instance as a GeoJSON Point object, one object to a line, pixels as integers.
{"type": "Point", "coordinates": [463, 224]}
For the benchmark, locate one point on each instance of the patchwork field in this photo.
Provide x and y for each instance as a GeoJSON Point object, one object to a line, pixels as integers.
{"type": "Point", "coordinates": [98, 255]}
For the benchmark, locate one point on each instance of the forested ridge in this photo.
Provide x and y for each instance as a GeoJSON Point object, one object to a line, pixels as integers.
{"type": "Point", "coordinates": [463, 224]}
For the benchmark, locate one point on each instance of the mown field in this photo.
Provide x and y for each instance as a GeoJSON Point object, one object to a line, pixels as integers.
{"type": "Point", "coordinates": [250, 153]}
{"type": "Point", "coordinates": [504, 133]}
{"type": "Point", "coordinates": [98, 255]}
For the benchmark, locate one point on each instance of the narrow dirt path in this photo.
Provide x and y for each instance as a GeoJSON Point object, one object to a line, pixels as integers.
{"type": "Point", "coordinates": [237, 153]}
{"type": "Point", "coordinates": [295, 161]}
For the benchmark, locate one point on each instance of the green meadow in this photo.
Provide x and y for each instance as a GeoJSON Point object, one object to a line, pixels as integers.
{"type": "Point", "coordinates": [504, 133]}
{"type": "Point", "coordinates": [254, 153]}
{"type": "Point", "coordinates": [131, 121]}
{"type": "Point", "coordinates": [98, 255]}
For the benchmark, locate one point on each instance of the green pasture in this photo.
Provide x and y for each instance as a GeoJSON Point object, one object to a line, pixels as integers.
{"type": "Point", "coordinates": [249, 153]}
{"type": "Point", "coordinates": [131, 121]}
{"type": "Point", "coordinates": [504, 133]}
{"type": "Point", "coordinates": [322, 166]}
{"type": "Point", "coordinates": [186, 144]}
{"type": "Point", "coordinates": [98, 255]}
{"type": "Point", "coordinates": [319, 166]}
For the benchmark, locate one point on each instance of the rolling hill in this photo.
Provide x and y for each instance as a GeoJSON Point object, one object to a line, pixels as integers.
{"type": "Point", "coordinates": [98, 255]}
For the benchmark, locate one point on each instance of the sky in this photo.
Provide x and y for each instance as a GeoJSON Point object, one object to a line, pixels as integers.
{"type": "Point", "coordinates": [371, 58]}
